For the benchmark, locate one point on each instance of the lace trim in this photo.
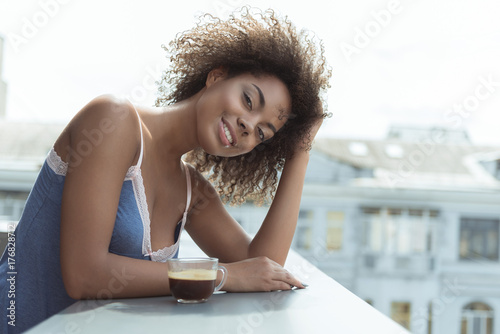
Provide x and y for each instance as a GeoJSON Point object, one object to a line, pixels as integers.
{"type": "Point", "coordinates": [165, 253]}
{"type": "Point", "coordinates": [162, 255]}
{"type": "Point", "coordinates": [140, 196]}
{"type": "Point", "coordinates": [142, 205]}
{"type": "Point", "coordinates": [133, 174]}
{"type": "Point", "coordinates": [56, 164]}
{"type": "Point", "coordinates": [60, 167]}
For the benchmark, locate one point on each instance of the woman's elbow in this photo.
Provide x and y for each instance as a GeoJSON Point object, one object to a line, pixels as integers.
{"type": "Point", "coordinates": [78, 282]}
{"type": "Point", "coordinates": [75, 286]}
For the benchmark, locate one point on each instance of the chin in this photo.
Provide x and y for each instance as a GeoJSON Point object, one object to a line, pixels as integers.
{"type": "Point", "coordinates": [222, 152]}
{"type": "Point", "coordinates": [214, 150]}
{"type": "Point", "coordinates": [214, 147]}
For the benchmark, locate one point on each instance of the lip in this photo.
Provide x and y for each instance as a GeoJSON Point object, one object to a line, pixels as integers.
{"type": "Point", "coordinates": [222, 133]}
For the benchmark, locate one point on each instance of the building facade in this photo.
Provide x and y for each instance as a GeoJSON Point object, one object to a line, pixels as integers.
{"type": "Point", "coordinates": [23, 148]}
{"type": "Point", "coordinates": [409, 223]}
{"type": "Point", "coordinates": [3, 84]}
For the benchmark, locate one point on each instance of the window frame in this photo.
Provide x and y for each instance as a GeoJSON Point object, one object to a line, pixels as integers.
{"type": "Point", "coordinates": [391, 230]}
{"type": "Point", "coordinates": [470, 317]}
{"type": "Point", "coordinates": [472, 237]}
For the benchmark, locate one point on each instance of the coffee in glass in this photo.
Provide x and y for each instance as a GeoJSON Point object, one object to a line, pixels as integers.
{"type": "Point", "coordinates": [192, 280]}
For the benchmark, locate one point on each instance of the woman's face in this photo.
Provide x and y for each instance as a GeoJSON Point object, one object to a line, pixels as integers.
{"type": "Point", "coordinates": [236, 114]}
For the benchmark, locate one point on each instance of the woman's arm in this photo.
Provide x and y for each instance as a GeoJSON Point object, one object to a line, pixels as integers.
{"type": "Point", "coordinates": [255, 264]}
{"type": "Point", "coordinates": [276, 233]}
{"type": "Point", "coordinates": [90, 200]}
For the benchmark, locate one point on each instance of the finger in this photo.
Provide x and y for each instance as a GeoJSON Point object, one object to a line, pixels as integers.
{"type": "Point", "coordinates": [283, 286]}
{"type": "Point", "coordinates": [286, 277]}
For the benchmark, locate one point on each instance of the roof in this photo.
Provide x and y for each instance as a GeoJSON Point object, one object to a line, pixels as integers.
{"type": "Point", "coordinates": [424, 163]}
{"type": "Point", "coordinates": [25, 145]}
{"type": "Point", "coordinates": [399, 161]}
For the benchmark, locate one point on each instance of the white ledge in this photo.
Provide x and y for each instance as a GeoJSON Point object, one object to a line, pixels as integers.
{"type": "Point", "coordinates": [324, 307]}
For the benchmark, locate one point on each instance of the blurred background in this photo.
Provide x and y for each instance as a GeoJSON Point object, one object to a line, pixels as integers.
{"type": "Point", "coordinates": [412, 68]}
{"type": "Point", "coordinates": [401, 203]}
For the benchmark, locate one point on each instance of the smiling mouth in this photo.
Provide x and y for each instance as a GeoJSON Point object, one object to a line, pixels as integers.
{"type": "Point", "coordinates": [227, 133]}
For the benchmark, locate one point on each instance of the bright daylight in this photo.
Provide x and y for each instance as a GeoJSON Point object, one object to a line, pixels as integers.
{"type": "Point", "coordinates": [230, 166]}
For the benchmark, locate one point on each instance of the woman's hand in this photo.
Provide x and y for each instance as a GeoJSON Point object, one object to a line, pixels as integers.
{"type": "Point", "coordinates": [315, 128]}
{"type": "Point", "coordinates": [258, 274]}
{"type": "Point", "coordinates": [308, 140]}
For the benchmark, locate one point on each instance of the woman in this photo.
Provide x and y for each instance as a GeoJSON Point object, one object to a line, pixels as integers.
{"type": "Point", "coordinates": [240, 102]}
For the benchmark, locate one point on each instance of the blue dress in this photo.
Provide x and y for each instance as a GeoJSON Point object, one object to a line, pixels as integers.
{"type": "Point", "coordinates": [31, 288]}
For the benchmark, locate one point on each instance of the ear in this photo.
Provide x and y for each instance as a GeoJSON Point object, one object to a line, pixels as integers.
{"type": "Point", "coordinates": [215, 75]}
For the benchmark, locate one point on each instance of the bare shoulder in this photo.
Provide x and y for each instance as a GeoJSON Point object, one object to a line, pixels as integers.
{"type": "Point", "coordinates": [107, 122]}
{"type": "Point", "coordinates": [106, 113]}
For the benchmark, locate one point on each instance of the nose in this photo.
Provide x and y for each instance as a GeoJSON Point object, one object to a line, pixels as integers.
{"type": "Point", "coordinates": [246, 127]}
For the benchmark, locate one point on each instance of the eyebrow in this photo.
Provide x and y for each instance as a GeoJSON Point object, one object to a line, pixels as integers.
{"type": "Point", "coordinates": [261, 96]}
{"type": "Point", "coordinates": [272, 127]}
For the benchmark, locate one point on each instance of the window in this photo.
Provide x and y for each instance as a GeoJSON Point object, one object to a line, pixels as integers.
{"type": "Point", "coordinates": [399, 231]}
{"type": "Point", "coordinates": [394, 151]}
{"type": "Point", "coordinates": [359, 149]}
{"type": "Point", "coordinates": [401, 313]}
{"type": "Point", "coordinates": [5, 228]}
{"type": "Point", "coordinates": [12, 205]}
{"type": "Point", "coordinates": [492, 167]}
{"type": "Point", "coordinates": [373, 236]}
{"type": "Point", "coordinates": [334, 227]}
{"type": "Point", "coordinates": [3, 241]}
{"type": "Point", "coordinates": [395, 231]}
{"type": "Point", "coordinates": [429, 319]}
{"type": "Point", "coordinates": [479, 239]}
{"type": "Point", "coordinates": [477, 318]}
{"type": "Point", "coordinates": [304, 230]}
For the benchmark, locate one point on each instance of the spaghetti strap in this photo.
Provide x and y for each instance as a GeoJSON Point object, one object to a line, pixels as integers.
{"type": "Point", "coordinates": [139, 161]}
{"type": "Point", "coordinates": [188, 181]}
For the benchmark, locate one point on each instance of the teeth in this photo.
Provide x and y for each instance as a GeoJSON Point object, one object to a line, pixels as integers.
{"type": "Point", "coordinates": [228, 134]}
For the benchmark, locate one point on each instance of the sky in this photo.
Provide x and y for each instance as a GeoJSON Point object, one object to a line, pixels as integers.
{"type": "Point", "coordinates": [394, 62]}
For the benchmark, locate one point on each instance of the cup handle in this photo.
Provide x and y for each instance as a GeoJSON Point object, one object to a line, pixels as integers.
{"type": "Point", "coordinates": [224, 277]}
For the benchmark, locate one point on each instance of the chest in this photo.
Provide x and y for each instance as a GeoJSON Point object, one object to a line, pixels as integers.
{"type": "Point", "coordinates": [166, 199]}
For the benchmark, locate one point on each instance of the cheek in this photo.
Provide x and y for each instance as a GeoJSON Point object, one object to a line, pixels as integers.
{"type": "Point", "coordinates": [227, 103]}
{"type": "Point", "coordinates": [204, 104]}
{"type": "Point", "coordinates": [214, 103]}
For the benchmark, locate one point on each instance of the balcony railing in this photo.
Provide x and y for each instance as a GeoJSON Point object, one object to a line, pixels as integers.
{"type": "Point", "coordinates": [323, 307]}
{"type": "Point", "coordinates": [415, 264]}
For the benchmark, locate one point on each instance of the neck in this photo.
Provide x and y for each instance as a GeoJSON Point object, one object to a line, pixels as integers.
{"type": "Point", "coordinates": [174, 129]}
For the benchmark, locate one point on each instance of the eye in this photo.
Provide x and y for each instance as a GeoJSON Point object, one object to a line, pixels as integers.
{"type": "Point", "coordinates": [261, 134]}
{"type": "Point", "coordinates": [248, 100]}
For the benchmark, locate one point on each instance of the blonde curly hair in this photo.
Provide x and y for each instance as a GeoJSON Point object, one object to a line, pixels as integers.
{"type": "Point", "coordinates": [256, 42]}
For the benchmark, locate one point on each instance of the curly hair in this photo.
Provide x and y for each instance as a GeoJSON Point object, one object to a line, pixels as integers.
{"type": "Point", "coordinates": [256, 42]}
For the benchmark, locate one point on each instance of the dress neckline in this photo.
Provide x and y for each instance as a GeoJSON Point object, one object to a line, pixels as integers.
{"type": "Point", "coordinates": [134, 174]}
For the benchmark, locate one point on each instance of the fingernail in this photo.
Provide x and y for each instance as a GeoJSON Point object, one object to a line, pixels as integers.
{"type": "Point", "coordinates": [304, 284]}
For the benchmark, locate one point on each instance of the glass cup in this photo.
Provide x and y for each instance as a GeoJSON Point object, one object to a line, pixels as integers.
{"type": "Point", "coordinates": [192, 280]}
